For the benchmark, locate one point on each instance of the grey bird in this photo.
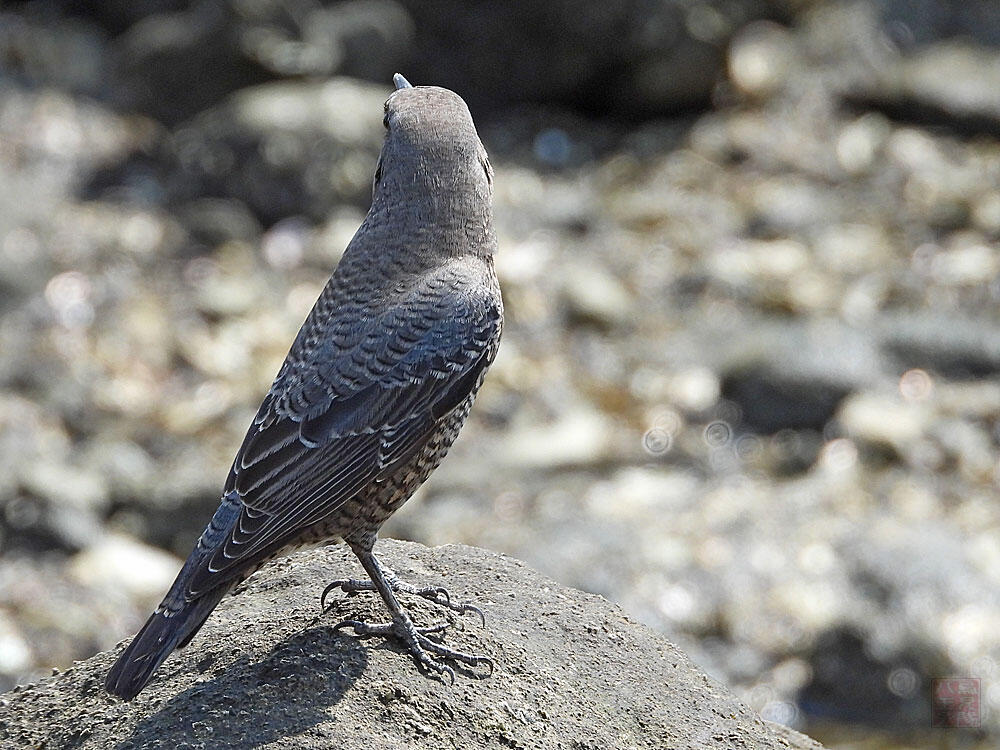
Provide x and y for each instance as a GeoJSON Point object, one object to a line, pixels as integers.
{"type": "Point", "coordinates": [373, 392]}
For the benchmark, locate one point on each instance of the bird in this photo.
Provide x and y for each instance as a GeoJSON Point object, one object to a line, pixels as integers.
{"type": "Point", "coordinates": [374, 390]}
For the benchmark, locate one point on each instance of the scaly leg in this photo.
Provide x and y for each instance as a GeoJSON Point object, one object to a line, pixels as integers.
{"type": "Point", "coordinates": [402, 627]}
{"type": "Point", "coordinates": [437, 594]}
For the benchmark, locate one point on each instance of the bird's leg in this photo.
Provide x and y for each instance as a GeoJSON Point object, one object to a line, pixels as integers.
{"type": "Point", "coordinates": [437, 594]}
{"type": "Point", "coordinates": [402, 626]}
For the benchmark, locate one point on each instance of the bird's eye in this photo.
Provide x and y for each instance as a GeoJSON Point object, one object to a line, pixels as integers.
{"type": "Point", "coordinates": [385, 120]}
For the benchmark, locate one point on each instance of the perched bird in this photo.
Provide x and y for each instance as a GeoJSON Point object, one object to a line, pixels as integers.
{"type": "Point", "coordinates": [373, 392]}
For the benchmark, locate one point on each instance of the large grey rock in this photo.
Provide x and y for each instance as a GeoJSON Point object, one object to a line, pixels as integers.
{"type": "Point", "coordinates": [572, 671]}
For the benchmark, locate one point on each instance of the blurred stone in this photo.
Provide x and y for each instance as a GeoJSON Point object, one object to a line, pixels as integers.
{"type": "Point", "coordinates": [853, 248]}
{"type": "Point", "coordinates": [972, 447]}
{"type": "Point", "coordinates": [227, 295]}
{"type": "Point", "coordinates": [160, 55]}
{"type": "Point", "coordinates": [629, 57]}
{"type": "Point", "coordinates": [116, 15]}
{"type": "Point", "coordinates": [187, 416]}
{"type": "Point", "coordinates": [883, 420]}
{"type": "Point", "coordinates": [789, 203]}
{"type": "Point", "coordinates": [770, 402]}
{"type": "Point", "coordinates": [369, 39]}
{"type": "Point", "coordinates": [214, 221]}
{"type": "Point", "coordinates": [65, 54]}
{"type": "Point", "coordinates": [918, 23]}
{"type": "Point", "coordinates": [126, 466]}
{"type": "Point", "coordinates": [694, 390]}
{"type": "Point", "coordinates": [332, 237]}
{"type": "Point", "coordinates": [119, 562]}
{"type": "Point", "coordinates": [283, 246]}
{"type": "Point", "coordinates": [759, 261]}
{"type": "Point", "coordinates": [976, 400]}
{"type": "Point", "coordinates": [967, 263]}
{"type": "Point", "coordinates": [285, 149]}
{"type": "Point", "coordinates": [859, 142]}
{"type": "Point", "coordinates": [986, 212]}
{"type": "Point", "coordinates": [15, 652]}
{"type": "Point", "coordinates": [957, 347]}
{"type": "Point", "coordinates": [951, 79]}
{"type": "Point", "coordinates": [760, 58]}
{"type": "Point", "coordinates": [83, 489]}
{"type": "Point", "coordinates": [595, 297]}
{"type": "Point", "coordinates": [579, 437]}
{"type": "Point", "coordinates": [839, 652]}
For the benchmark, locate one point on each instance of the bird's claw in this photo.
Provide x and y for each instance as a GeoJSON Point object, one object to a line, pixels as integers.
{"type": "Point", "coordinates": [419, 644]}
{"type": "Point", "coordinates": [473, 608]}
{"type": "Point", "coordinates": [349, 586]}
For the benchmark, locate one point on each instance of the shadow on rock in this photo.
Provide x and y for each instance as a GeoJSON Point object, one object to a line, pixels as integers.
{"type": "Point", "coordinates": [250, 704]}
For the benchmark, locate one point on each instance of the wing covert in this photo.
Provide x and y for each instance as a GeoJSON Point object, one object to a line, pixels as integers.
{"type": "Point", "coordinates": [337, 420]}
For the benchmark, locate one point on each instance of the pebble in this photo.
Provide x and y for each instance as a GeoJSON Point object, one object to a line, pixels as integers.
{"type": "Point", "coordinates": [119, 562]}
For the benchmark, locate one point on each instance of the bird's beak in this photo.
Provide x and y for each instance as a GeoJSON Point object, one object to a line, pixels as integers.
{"type": "Point", "coordinates": [401, 83]}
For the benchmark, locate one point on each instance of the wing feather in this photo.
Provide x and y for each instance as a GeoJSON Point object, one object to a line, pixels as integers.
{"type": "Point", "coordinates": [338, 419]}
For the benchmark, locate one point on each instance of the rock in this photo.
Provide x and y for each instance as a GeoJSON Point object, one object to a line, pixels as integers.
{"type": "Point", "coordinates": [214, 220]}
{"type": "Point", "coordinates": [957, 347]}
{"type": "Point", "coordinates": [630, 57]}
{"type": "Point", "coordinates": [159, 56]}
{"type": "Point", "coordinates": [792, 376]}
{"type": "Point", "coordinates": [64, 485]}
{"type": "Point", "coordinates": [597, 298]}
{"type": "Point", "coordinates": [367, 38]}
{"type": "Point", "coordinates": [243, 44]}
{"type": "Point", "coordinates": [909, 23]}
{"type": "Point", "coordinates": [760, 58]}
{"type": "Point", "coordinates": [884, 419]}
{"type": "Point", "coordinates": [770, 400]}
{"type": "Point", "coordinates": [578, 437]}
{"type": "Point", "coordinates": [36, 50]}
{"type": "Point", "coordinates": [954, 80]}
{"type": "Point", "coordinates": [571, 671]}
{"type": "Point", "coordinates": [282, 149]}
{"type": "Point", "coordinates": [117, 561]}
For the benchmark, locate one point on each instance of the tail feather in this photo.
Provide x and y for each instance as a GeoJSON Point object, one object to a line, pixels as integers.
{"type": "Point", "coordinates": [178, 617]}
{"type": "Point", "coordinates": [161, 634]}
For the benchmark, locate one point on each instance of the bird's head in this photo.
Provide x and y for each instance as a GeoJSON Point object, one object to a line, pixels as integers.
{"type": "Point", "coordinates": [431, 143]}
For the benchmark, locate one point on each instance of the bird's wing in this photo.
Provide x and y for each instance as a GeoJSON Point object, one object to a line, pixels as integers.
{"type": "Point", "coordinates": [336, 420]}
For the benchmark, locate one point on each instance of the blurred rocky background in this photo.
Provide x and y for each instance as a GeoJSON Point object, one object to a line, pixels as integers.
{"type": "Point", "coordinates": [750, 251]}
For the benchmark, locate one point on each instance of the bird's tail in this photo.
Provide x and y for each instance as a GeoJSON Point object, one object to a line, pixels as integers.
{"type": "Point", "coordinates": [161, 634]}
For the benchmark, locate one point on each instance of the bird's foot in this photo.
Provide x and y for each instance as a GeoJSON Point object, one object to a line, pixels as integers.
{"type": "Point", "coordinates": [437, 594]}
{"type": "Point", "coordinates": [418, 643]}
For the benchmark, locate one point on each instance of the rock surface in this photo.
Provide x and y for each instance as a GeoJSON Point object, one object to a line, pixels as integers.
{"type": "Point", "coordinates": [572, 671]}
